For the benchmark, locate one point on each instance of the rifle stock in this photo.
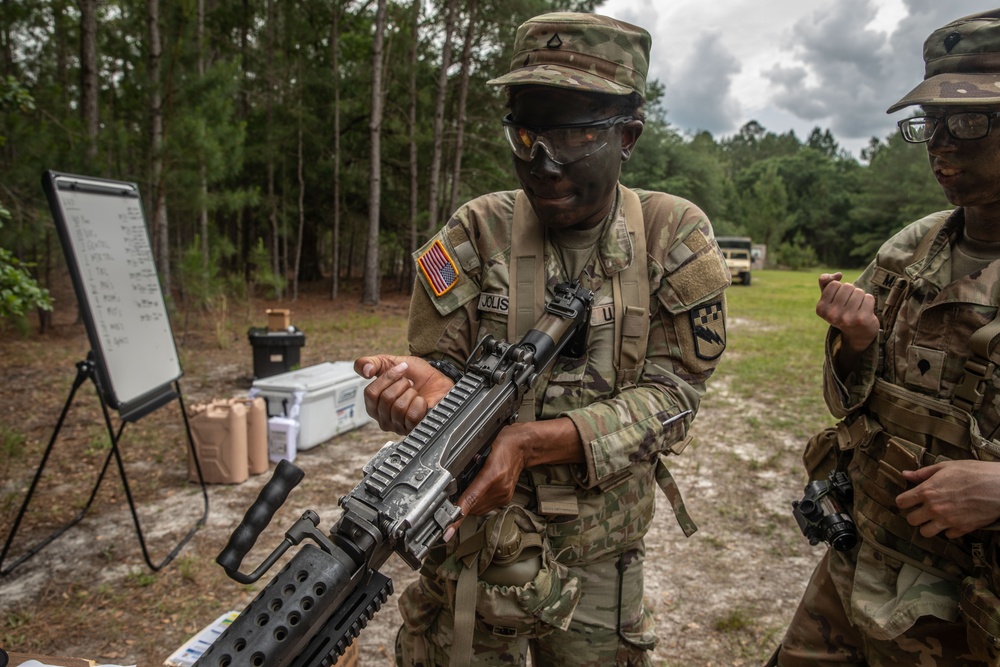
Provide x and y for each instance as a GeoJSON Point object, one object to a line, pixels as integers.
{"type": "Point", "coordinates": [320, 601]}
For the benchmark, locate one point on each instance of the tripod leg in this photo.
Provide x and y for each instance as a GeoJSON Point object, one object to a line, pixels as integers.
{"type": "Point", "coordinates": [116, 452]}
{"type": "Point", "coordinates": [84, 370]}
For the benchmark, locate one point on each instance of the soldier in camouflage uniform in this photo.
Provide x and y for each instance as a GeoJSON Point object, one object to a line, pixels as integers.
{"type": "Point", "coordinates": [911, 370]}
{"type": "Point", "coordinates": [579, 475]}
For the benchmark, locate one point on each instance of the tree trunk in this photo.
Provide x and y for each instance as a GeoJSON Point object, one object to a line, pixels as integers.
{"type": "Point", "coordinates": [202, 170]}
{"type": "Point", "coordinates": [302, 189]}
{"type": "Point", "coordinates": [371, 284]}
{"type": "Point", "coordinates": [161, 231]}
{"type": "Point", "coordinates": [463, 96]}
{"type": "Point", "coordinates": [442, 96]}
{"type": "Point", "coordinates": [247, 220]}
{"type": "Point", "coordinates": [335, 65]}
{"type": "Point", "coordinates": [88, 75]}
{"type": "Point", "coordinates": [411, 127]}
{"type": "Point", "coordinates": [62, 36]}
{"type": "Point", "coordinates": [269, 102]}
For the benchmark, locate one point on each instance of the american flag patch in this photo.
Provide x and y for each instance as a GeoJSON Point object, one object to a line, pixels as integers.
{"type": "Point", "coordinates": [437, 266]}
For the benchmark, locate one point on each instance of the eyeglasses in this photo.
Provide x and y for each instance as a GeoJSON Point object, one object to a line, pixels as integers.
{"type": "Point", "coordinates": [562, 143]}
{"type": "Point", "coordinates": [967, 125]}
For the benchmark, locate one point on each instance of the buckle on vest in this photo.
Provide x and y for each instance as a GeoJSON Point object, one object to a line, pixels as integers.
{"type": "Point", "coordinates": [970, 391]}
{"type": "Point", "coordinates": [850, 434]}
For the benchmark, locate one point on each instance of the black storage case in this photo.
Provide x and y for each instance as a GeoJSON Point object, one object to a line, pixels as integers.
{"type": "Point", "coordinates": [275, 352]}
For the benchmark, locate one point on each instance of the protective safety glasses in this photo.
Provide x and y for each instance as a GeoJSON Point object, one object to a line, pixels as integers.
{"type": "Point", "coordinates": [967, 125]}
{"type": "Point", "coordinates": [562, 143]}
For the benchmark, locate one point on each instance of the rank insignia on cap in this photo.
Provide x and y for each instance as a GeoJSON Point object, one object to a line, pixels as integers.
{"type": "Point", "coordinates": [708, 324]}
{"type": "Point", "coordinates": [438, 267]}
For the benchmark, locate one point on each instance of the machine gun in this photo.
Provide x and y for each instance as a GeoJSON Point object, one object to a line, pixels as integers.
{"type": "Point", "coordinates": [320, 601]}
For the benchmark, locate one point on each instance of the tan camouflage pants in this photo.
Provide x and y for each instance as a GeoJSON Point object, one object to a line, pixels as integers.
{"type": "Point", "coordinates": [592, 639]}
{"type": "Point", "coordinates": [821, 636]}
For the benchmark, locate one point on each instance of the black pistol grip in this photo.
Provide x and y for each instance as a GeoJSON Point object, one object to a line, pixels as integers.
{"type": "Point", "coordinates": [286, 477]}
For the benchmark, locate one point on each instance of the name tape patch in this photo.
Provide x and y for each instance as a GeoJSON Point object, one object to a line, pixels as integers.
{"type": "Point", "coordinates": [494, 303]}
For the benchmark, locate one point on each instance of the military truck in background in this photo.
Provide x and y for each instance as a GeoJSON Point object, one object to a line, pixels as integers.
{"type": "Point", "coordinates": [737, 250]}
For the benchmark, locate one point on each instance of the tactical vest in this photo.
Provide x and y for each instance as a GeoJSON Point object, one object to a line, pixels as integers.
{"type": "Point", "coordinates": [899, 429]}
{"type": "Point", "coordinates": [630, 288]}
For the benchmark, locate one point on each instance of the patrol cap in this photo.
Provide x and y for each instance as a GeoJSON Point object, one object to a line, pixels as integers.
{"type": "Point", "coordinates": [962, 64]}
{"type": "Point", "coordinates": [586, 52]}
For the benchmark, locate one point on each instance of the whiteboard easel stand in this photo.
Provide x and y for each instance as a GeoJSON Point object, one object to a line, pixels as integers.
{"type": "Point", "coordinates": [87, 370]}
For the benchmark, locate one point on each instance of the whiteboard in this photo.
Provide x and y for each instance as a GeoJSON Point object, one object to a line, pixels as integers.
{"type": "Point", "coordinates": [103, 232]}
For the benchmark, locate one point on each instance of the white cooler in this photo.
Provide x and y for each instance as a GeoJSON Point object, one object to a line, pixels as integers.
{"type": "Point", "coordinates": [331, 400]}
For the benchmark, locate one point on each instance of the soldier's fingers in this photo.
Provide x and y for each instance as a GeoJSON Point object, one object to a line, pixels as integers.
{"type": "Point", "coordinates": [906, 500]}
{"type": "Point", "coordinates": [920, 516]}
{"type": "Point", "coordinates": [415, 412]}
{"type": "Point", "coordinates": [463, 505]}
{"type": "Point", "coordinates": [827, 278]}
{"type": "Point", "coordinates": [395, 404]}
{"type": "Point", "coordinates": [921, 474]}
{"type": "Point", "coordinates": [954, 533]}
{"type": "Point", "coordinates": [857, 298]}
{"type": "Point", "coordinates": [375, 365]}
{"type": "Point", "coordinates": [931, 528]}
{"type": "Point", "coordinates": [382, 394]}
{"type": "Point", "coordinates": [833, 301]}
{"type": "Point", "coordinates": [869, 305]}
{"type": "Point", "coordinates": [450, 531]}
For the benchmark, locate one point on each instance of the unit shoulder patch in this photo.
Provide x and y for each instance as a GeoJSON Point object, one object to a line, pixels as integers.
{"type": "Point", "coordinates": [439, 268]}
{"type": "Point", "coordinates": [708, 324]}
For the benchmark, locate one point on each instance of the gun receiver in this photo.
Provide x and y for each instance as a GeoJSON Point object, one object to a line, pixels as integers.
{"type": "Point", "coordinates": [320, 601]}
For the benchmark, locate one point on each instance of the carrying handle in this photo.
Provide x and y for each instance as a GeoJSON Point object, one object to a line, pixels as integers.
{"type": "Point", "coordinates": [286, 477]}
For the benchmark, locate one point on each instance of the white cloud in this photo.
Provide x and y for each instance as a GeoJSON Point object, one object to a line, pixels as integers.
{"type": "Point", "coordinates": [702, 99]}
{"type": "Point", "coordinates": [795, 64]}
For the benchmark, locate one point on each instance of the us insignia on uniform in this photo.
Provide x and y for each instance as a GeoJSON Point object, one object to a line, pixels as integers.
{"type": "Point", "coordinates": [708, 324]}
{"type": "Point", "coordinates": [438, 268]}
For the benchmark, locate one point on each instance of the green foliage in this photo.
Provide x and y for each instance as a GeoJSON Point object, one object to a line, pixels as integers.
{"type": "Point", "coordinates": [898, 189]}
{"type": "Point", "coordinates": [261, 275]}
{"type": "Point", "coordinates": [14, 96]}
{"type": "Point", "coordinates": [19, 292]}
{"type": "Point", "coordinates": [201, 281]}
{"type": "Point", "coordinates": [248, 112]}
{"type": "Point", "coordinates": [764, 203]}
{"type": "Point", "coordinates": [795, 255]}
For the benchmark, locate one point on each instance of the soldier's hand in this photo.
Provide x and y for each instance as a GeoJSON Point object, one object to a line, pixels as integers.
{"type": "Point", "coordinates": [850, 309]}
{"type": "Point", "coordinates": [517, 447]}
{"type": "Point", "coordinates": [496, 481]}
{"type": "Point", "coordinates": [954, 497]}
{"type": "Point", "coordinates": [403, 390]}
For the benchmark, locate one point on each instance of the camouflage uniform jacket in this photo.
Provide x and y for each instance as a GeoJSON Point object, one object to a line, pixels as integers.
{"type": "Point", "coordinates": [894, 578]}
{"type": "Point", "coordinates": [620, 427]}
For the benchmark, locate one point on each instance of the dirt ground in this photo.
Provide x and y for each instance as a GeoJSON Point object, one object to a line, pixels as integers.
{"type": "Point", "coordinates": [720, 598]}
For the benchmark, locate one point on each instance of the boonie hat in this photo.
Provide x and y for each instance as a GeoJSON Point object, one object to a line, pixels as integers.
{"type": "Point", "coordinates": [586, 52]}
{"type": "Point", "coordinates": [962, 64]}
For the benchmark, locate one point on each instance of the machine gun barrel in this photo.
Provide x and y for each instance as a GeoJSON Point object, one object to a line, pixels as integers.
{"type": "Point", "coordinates": [313, 608]}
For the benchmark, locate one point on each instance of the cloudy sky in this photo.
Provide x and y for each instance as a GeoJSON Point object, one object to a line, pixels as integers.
{"type": "Point", "coordinates": [788, 64]}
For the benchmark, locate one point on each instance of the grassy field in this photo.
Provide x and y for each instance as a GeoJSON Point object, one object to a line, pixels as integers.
{"type": "Point", "coordinates": [775, 349]}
